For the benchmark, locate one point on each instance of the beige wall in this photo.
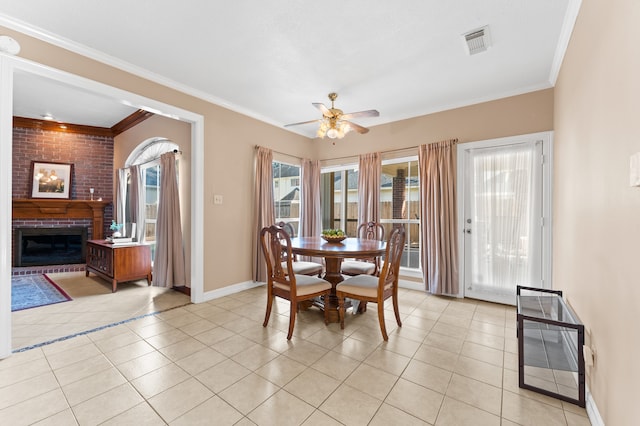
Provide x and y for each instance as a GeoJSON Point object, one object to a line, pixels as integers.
{"type": "Point", "coordinates": [178, 132]}
{"type": "Point", "coordinates": [596, 214]}
{"type": "Point", "coordinates": [230, 139]}
{"type": "Point", "coordinates": [528, 113]}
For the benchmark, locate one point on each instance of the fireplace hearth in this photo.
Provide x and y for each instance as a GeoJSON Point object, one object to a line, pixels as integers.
{"type": "Point", "coordinates": [50, 246]}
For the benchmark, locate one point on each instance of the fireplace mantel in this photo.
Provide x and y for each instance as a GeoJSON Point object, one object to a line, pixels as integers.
{"type": "Point", "coordinates": [37, 208]}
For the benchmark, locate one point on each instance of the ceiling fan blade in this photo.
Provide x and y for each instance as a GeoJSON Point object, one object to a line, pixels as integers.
{"type": "Point", "coordinates": [358, 128]}
{"type": "Point", "coordinates": [368, 113]}
{"type": "Point", "coordinates": [302, 122]}
{"type": "Point", "coordinates": [325, 111]}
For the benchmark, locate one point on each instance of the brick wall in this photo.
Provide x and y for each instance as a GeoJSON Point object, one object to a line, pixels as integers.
{"type": "Point", "coordinates": [91, 156]}
{"type": "Point", "coordinates": [92, 159]}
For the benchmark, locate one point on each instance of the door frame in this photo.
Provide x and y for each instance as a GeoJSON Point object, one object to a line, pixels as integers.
{"type": "Point", "coordinates": [8, 65]}
{"type": "Point", "coordinates": [547, 178]}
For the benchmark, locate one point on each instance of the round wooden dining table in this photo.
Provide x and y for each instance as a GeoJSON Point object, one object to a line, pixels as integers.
{"type": "Point", "coordinates": [333, 254]}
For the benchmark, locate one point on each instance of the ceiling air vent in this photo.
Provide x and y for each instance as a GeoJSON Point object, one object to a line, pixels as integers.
{"type": "Point", "coordinates": [477, 40]}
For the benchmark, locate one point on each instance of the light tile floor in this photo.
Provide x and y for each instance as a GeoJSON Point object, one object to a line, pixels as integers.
{"type": "Point", "coordinates": [93, 306]}
{"type": "Point", "coordinates": [453, 362]}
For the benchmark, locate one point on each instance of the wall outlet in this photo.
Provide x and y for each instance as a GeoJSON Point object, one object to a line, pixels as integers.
{"type": "Point", "coordinates": [217, 199]}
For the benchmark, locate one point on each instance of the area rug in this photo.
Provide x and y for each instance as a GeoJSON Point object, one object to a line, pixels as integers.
{"type": "Point", "coordinates": [30, 291]}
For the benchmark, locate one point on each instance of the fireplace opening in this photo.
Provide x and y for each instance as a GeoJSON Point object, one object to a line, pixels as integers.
{"type": "Point", "coordinates": [50, 246]}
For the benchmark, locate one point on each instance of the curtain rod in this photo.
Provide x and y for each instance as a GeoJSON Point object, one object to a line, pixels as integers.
{"type": "Point", "coordinates": [358, 155]}
{"type": "Point", "coordinates": [392, 151]}
{"type": "Point", "coordinates": [278, 152]}
{"type": "Point", "coordinates": [381, 152]}
{"type": "Point", "coordinates": [175, 151]}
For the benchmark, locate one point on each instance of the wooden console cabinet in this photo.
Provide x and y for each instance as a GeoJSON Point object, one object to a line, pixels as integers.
{"type": "Point", "coordinates": [118, 263]}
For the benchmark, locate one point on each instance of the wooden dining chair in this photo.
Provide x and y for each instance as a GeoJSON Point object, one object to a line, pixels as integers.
{"type": "Point", "coordinates": [282, 281]}
{"type": "Point", "coordinates": [302, 267]}
{"type": "Point", "coordinates": [371, 265]}
{"type": "Point", "coordinates": [369, 288]}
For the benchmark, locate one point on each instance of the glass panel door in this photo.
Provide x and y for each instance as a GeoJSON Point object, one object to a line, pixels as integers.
{"type": "Point", "coordinates": [502, 220]}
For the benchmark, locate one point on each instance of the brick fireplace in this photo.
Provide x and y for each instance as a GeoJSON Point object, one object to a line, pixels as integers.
{"type": "Point", "coordinates": [92, 159]}
{"type": "Point", "coordinates": [60, 215]}
{"type": "Point", "coordinates": [50, 246]}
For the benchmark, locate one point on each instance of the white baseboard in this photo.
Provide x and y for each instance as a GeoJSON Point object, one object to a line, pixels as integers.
{"type": "Point", "coordinates": [411, 285]}
{"type": "Point", "coordinates": [231, 289]}
{"type": "Point", "coordinates": [236, 288]}
{"type": "Point", "coordinates": [592, 410]}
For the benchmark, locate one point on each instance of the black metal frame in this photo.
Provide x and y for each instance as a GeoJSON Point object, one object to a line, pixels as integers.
{"type": "Point", "coordinates": [580, 331]}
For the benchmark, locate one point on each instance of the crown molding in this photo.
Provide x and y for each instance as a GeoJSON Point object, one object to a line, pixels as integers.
{"type": "Point", "coordinates": [130, 121]}
{"type": "Point", "coordinates": [124, 124]}
{"type": "Point", "coordinates": [80, 49]}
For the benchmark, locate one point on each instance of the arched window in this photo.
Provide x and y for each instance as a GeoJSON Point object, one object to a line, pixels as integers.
{"type": "Point", "coordinates": [150, 150]}
{"type": "Point", "coordinates": [147, 157]}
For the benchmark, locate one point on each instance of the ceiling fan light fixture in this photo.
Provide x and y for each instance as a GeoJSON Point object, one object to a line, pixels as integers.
{"type": "Point", "coordinates": [334, 123]}
{"type": "Point", "coordinates": [333, 133]}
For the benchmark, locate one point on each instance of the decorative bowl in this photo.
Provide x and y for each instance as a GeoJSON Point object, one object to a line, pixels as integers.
{"type": "Point", "coordinates": [333, 238]}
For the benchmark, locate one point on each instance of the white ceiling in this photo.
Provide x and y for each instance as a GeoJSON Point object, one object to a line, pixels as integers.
{"type": "Point", "coordinates": [271, 59]}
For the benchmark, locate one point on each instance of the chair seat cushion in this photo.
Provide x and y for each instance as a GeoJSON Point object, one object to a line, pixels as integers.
{"type": "Point", "coordinates": [356, 267]}
{"type": "Point", "coordinates": [306, 284]}
{"type": "Point", "coordinates": [360, 285]}
{"type": "Point", "coordinates": [304, 268]}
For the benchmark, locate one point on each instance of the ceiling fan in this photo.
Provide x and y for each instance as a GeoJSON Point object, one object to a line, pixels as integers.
{"type": "Point", "coordinates": [334, 123]}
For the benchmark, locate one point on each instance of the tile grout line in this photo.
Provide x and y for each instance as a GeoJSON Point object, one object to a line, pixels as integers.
{"type": "Point", "coordinates": [102, 327]}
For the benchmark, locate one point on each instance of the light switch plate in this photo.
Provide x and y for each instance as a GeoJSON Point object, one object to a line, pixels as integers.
{"type": "Point", "coordinates": [217, 199]}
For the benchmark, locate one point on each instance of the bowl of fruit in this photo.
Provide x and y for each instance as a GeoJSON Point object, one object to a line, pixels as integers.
{"type": "Point", "coordinates": [333, 235]}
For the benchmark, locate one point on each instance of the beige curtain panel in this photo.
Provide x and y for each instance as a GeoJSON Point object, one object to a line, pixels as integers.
{"type": "Point", "coordinates": [169, 263]}
{"type": "Point", "coordinates": [136, 203]}
{"type": "Point", "coordinates": [263, 207]}
{"type": "Point", "coordinates": [369, 170]}
{"type": "Point", "coordinates": [121, 195]}
{"type": "Point", "coordinates": [311, 213]}
{"type": "Point", "coordinates": [437, 168]}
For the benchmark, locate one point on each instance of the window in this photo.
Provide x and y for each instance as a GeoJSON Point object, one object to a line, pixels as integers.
{"type": "Point", "coordinates": [147, 156]}
{"type": "Point", "coordinates": [339, 199]}
{"type": "Point", "coordinates": [151, 185]}
{"type": "Point", "coordinates": [286, 193]}
{"type": "Point", "coordinates": [400, 204]}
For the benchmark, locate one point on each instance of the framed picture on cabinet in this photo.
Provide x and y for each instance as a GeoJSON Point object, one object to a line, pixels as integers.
{"type": "Point", "coordinates": [51, 180]}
